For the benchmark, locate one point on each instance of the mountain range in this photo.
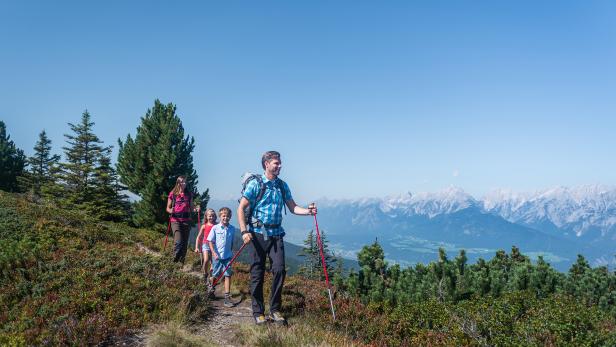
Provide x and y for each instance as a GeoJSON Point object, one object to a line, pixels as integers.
{"type": "Point", "coordinates": [556, 223]}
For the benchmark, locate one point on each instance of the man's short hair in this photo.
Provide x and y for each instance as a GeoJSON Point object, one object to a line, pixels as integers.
{"type": "Point", "coordinates": [225, 209]}
{"type": "Point", "coordinates": [269, 155]}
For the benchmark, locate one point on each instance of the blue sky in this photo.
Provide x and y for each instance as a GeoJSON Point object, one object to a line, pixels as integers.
{"type": "Point", "coordinates": [362, 98]}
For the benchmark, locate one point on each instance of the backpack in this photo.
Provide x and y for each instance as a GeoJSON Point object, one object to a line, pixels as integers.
{"type": "Point", "coordinates": [180, 215]}
{"type": "Point", "coordinates": [248, 211]}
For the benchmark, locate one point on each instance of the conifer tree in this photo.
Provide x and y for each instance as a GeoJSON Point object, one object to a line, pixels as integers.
{"type": "Point", "coordinates": [89, 180]}
{"type": "Point", "coordinates": [12, 162]}
{"type": "Point", "coordinates": [338, 270]}
{"type": "Point", "coordinates": [43, 166]}
{"type": "Point", "coordinates": [372, 257]}
{"type": "Point", "coordinates": [82, 154]}
{"type": "Point", "coordinates": [543, 279]}
{"type": "Point", "coordinates": [580, 279]}
{"type": "Point", "coordinates": [463, 277]}
{"type": "Point", "coordinates": [312, 266]}
{"type": "Point", "coordinates": [371, 276]}
{"type": "Point", "coordinates": [108, 202]}
{"type": "Point", "coordinates": [150, 163]}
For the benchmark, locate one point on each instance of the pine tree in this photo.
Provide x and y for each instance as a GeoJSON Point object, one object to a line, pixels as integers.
{"type": "Point", "coordinates": [372, 257]}
{"type": "Point", "coordinates": [43, 166]}
{"type": "Point", "coordinates": [463, 277]}
{"type": "Point", "coordinates": [82, 154]}
{"type": "Point", "coordinates": [338, 270]}
{"type": "Point", "coordinates": [12, 162]}
{"type": "Point", "coordinates": [371, 276]}
{"type": "Point", "coordinates": [543, 279]}
{"type": "Point", "coordinates": [89, 180]}
{"type": "Point", "coordinates": [150, 163]}
{"type": "Point", "coordinates": [108, 202]}
{"type": "Point", "coordinates": [311, 266]}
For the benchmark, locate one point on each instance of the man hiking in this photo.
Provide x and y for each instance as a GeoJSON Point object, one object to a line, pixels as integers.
{"type": "Point", "coordinates": [259, 217]}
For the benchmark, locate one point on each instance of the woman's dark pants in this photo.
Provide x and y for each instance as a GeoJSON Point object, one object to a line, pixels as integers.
{"type": "Point", "coordinates": [181, 230]}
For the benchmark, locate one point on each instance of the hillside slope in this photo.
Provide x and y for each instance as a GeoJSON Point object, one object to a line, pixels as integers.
{"type": "Point", "coordinates": [67, 279]}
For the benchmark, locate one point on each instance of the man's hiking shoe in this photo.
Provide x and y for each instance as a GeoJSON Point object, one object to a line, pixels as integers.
{"type": "Point", "coordinates": [260, 320]}
{"type": "Point", "coordinates": [228, 302]}
{"type": "Point", "coordinates": [277, 318]}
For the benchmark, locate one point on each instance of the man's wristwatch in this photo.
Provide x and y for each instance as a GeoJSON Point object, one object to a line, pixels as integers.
{"type": "Point", "coordinates": [245, 232]}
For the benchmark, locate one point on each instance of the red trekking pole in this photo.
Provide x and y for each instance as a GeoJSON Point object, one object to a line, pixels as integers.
{"type": "Point", "coordinates": [167, 237]}
{"type": "Point", "coordinates": [216, 280]}
{"type": "Point", "coordinates": [199, 219]}
{"type": "Point", "coordinates": [199, 230]}
{"type": "Point", "coordinates": [199, 244]}
{"type": "Point", "coordinates": [329, 288]}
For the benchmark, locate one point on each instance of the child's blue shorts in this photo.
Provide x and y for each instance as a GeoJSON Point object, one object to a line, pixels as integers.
{"type": "Point", "coordinates": [220, 264]}
{"type": "Point", "coordinates": [206, 248]}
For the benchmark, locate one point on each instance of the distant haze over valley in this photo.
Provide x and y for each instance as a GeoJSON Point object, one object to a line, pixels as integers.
{"type": "Point", "coordinates": [556, 223]}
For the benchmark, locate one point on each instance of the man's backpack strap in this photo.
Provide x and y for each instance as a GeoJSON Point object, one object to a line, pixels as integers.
{"type": "Point", "coordinates": [262, 189]}
{"type": "Point", "coordinates": [284, 194]}
{"type": "Point", "coordinates": [250, 210]}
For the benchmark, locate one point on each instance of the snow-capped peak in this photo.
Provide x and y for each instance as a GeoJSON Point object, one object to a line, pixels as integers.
{"type": "Point", "coordinates": [578, 209]}
{"type": "Point", "coordinates": [449, 200]}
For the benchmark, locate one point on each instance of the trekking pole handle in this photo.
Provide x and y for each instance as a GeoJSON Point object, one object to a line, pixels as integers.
{"type": "Point", "coordinates": [312, 207]}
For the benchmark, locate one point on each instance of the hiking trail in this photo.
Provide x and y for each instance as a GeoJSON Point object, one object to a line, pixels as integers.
{"type": "Point", "coordinates": [223, 323]}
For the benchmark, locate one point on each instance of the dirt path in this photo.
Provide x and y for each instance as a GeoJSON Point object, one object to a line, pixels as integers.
{"type": "Point", "coordinates": [223, 322]}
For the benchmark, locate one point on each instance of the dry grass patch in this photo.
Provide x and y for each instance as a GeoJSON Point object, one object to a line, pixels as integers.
{"type": "Point", "coordinates": [174, 334]}
{"type": "Point", "coordinates": [296, 334]}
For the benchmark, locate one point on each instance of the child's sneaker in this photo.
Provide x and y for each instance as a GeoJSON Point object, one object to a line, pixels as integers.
{"type": "Point", "coordinates": [260, 320]}
{"type": "Point", "coordinates": [228, 302]}
{"type": "Point", "coordinates": [211, 291]}
{"type": "Point", "coordinates": [277, 318]}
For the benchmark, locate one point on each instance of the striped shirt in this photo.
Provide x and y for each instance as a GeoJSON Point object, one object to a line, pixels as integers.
{"type": "Point", "coordinates": [269, 209]}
